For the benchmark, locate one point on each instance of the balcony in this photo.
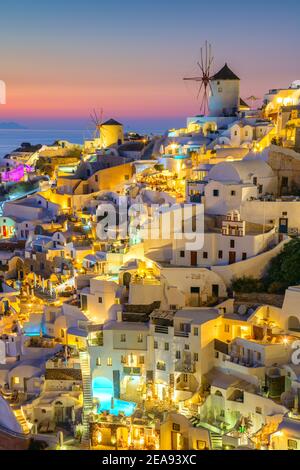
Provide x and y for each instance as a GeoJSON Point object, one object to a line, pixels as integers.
{"type": "Point", "coordinates": [161, 366]}
{"type": "Point", "coordinates": [182, 334]}
{"type": "Point", "coordinates": [131, 370]}
{"type": "Point", "coordinates": [183, 366]}
{"type": "Point", "coordinates": [161, 329]}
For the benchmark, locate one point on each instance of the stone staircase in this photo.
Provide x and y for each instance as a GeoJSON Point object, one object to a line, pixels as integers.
{"type": "Point", "coordinates": [216, 441]}
{"type": "Point", "coordinates": [18, 412]}
{"type": "Point", "coordinates": [87, 398]}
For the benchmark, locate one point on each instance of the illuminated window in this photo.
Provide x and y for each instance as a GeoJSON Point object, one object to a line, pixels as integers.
{"type": "Point", "coordinates": [196, 331]}
{"type": "Point", "coordinates": [98, 361]}
{"type": "Point", "coordinates": [141, 360]}
{"type": "Point", "coordinates": [109, 361]}
{"type": "Point", "coordinates": [100, 300]}
{"type": "Point", "coordinates": [16, 380]}
{"type": "Point", "coordinates": [196, 357]}
{"type": "Point", "coordinates": [140, 338]}
{"type": "Point", "coordinates": [226, 328]}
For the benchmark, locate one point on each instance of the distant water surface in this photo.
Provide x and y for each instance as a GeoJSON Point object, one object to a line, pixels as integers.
{"type": "Point", "coordinates": [10, 139]}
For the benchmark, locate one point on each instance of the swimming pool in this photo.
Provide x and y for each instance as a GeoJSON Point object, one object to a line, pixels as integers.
{"type": "Point", "coordinates": [120, 406]}
{"type": "Point", "coordinates": [103, 391]}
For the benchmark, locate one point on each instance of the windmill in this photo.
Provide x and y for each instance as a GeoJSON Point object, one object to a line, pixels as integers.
{"type": "Point", "coordinates": [205, 89]}
{"type": "Point", "coordinates": [97, 122]}
{"type": "Point", "coordinates": [252, 98]}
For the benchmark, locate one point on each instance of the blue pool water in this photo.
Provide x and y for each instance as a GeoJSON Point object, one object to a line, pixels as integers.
{"type": "Point", "coordinates": [120, 406]}
{"type": "Point", "coordinates": [103, 390]}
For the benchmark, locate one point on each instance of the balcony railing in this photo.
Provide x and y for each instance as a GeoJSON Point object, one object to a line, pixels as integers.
{"type": "Point", "coordinates": [183, 334]}
{"type": "Point", "coordinates": [132, 370]}
{"type": "Point", "coordinates": [187, 367]}
{"type": "Point", "coordinates": [161, 329]}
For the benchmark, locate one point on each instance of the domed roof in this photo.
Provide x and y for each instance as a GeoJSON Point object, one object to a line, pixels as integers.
{"type": "Point", "coordinates": [7, 417]}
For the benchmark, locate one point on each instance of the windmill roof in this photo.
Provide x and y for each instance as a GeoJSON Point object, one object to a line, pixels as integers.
{"type": "Point", "coordinates": [111, 122]}
{"type": "Point", "coordinates": [225, 74]}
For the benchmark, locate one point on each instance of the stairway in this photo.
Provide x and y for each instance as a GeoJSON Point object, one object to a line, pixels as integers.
{"type": "Point", "coordinates": [87, 398]}
{"type": "Point", "coordinates": [216, 441]}
{"type": "Point", "coordinates": [22, 420]}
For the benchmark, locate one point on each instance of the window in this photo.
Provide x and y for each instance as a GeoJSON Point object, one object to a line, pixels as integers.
{"type": "Point", "coordinates": [205, 255]}
{"type": "Point", "coordinates": [220, 254]}
{"type": "Point", "coordinates": [258, 410]}
{"type": "Point", "coordinates": [140, 338]}
{"type": "Point", "coordinates": [176, 427]}
{"type": "Point", "coordinates": [216, 354]}
{"type": "Point", "coordinates": [260, 188]}
{"type": "Point", "coordinates": [215, 192]}
{"type": "Point", "coordinates": [195, 290]}
{"type": "Point", "coordinates": [235, 133]}
{"type": "Point", "coordinates": [233, 193]}
{"type": "Point", "coordinates": [185, 378]}
{"type": "Point", "coordinates": [181, 254]}
{"type": "Point", "coordinates": [16, 380]}
{"type": "Point", "coordinates": [155, 345]}
{"type": "Point", "coordinates": [123, 360]}
{"type": "Point", "coordinates": [178, 354]}
{"type": "Point", "coordinates": [244, 256]}
{"type": "Point", "coordinates": [109, 361]}
{"type": "Point", "coordinates": [201, 445]}
{"type": "Point", "coordinates": [284, 181]}
{"type": "Point", "coordinates": [222, 413]}
{"type": "Point", "coordinates": [258, 356]}
{"type": "Point", "coordinates": [292, 444]}
{"type": "Point", "coordinates": [232, 243]}
{"type": "Point", "coordinates": [98, 361]}
{"type": "Point", "coordinates": [100, 300]}
{"type": "Point", "coordinates": [196, 331]}
{"type": "Point", "coordinates": [196, 357]}
{"type": "Point", "coordinates": [123, 338]}
{"type": "Point", "coordinates": [126, 177]}
{"type": "Point", "coordinates": [226, 328]}
{"type": "Point", "coordinates": [96, 178]}
{"type": "Point", "coordinates": [255, 180]}
{"type": "Point", "coordinates": [166, 346]}
{"type": "Point", "coordinates": [220, 89]}
{"type": "Point", "coordinates": [186, 347]}
{"type": "Point", "coordinates": [141, 360]}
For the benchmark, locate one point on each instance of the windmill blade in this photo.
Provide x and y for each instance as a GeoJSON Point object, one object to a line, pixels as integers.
{"type": "Point", "coordinates": [205, 55]}
{"type": "Point", "coordinates": [210, 87]}
{"type": "Point", "coordinates": [195, 79]}
{"type": "Point", "coordinates": [201, 58]}
{"type": "Point", "coordinates": [201, 68]}
{"type": "Point", "coordinates": [199, 91]}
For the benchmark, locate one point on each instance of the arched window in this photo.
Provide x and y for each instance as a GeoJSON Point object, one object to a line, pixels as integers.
{"type": "Point", "coordinates": [294, 323]}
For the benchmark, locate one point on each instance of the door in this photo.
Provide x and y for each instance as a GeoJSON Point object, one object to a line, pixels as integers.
{"type": "Point", "coordinates": [215, 290]}
{"type": "Point", "coordinates": [232, 257]}
{"type": "Point", "coordinates": [4, 228]}
{"type": "Point", "coordinates": [283, 225]}
{"type": "Point", "coordinates": [193, 258]}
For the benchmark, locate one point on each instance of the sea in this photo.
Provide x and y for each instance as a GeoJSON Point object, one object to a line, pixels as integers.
{"type": "Point", "coordinates": [11, 139]}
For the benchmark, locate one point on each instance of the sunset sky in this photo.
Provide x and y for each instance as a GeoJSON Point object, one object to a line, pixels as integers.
{"type": "Point", "coordinates": [61, 59]}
